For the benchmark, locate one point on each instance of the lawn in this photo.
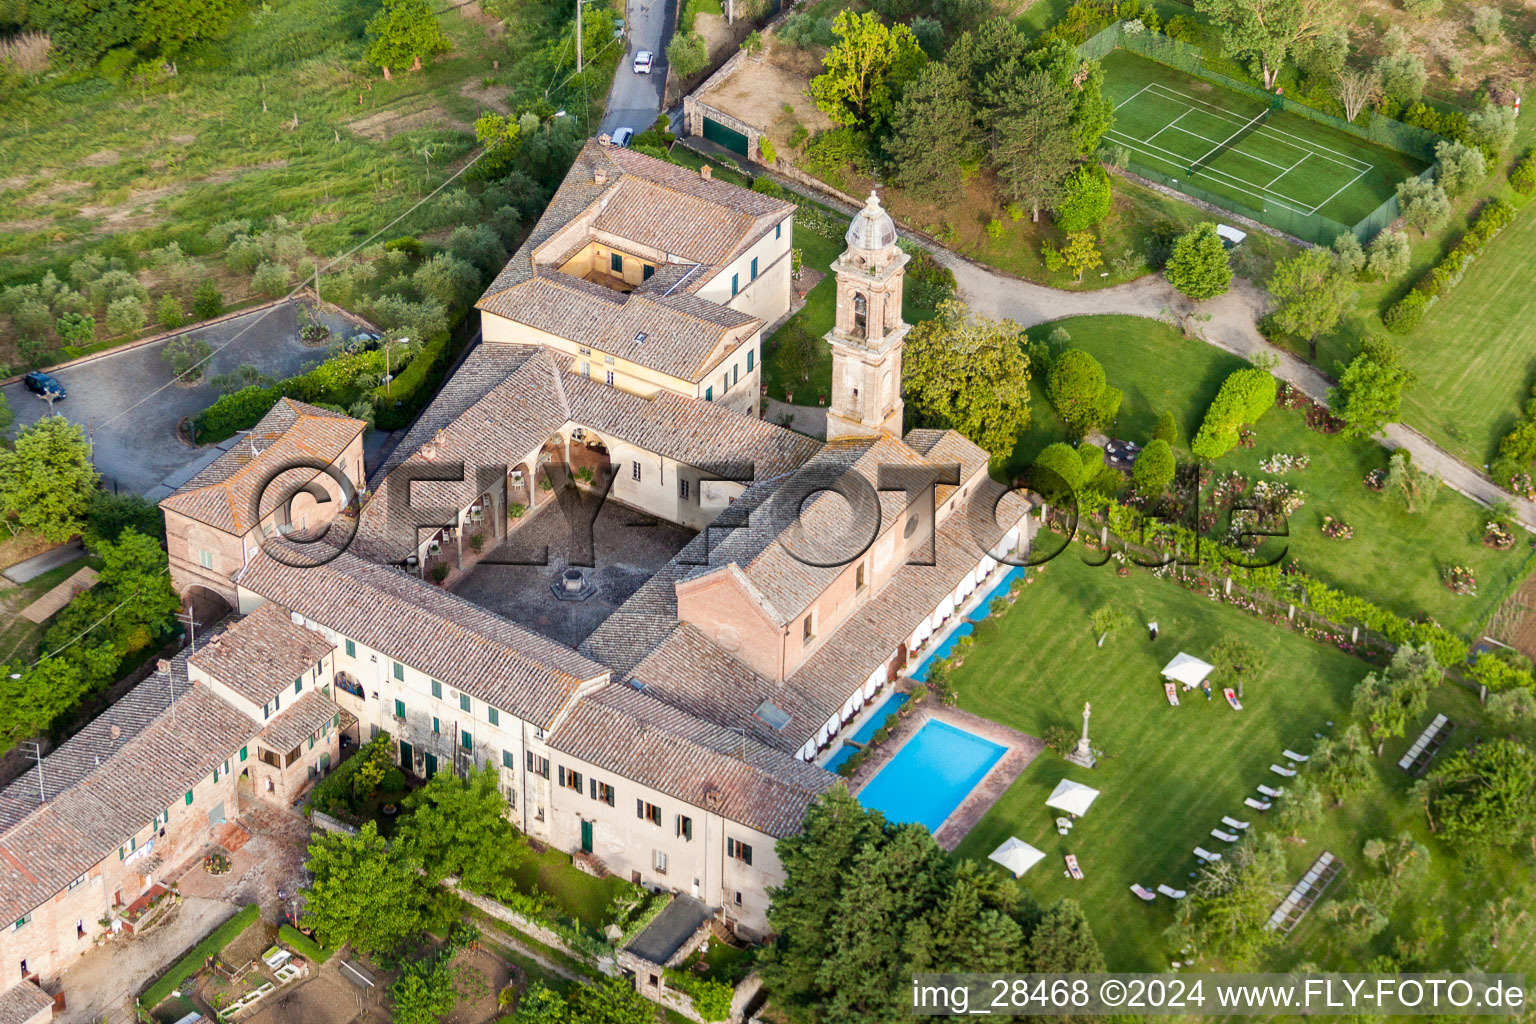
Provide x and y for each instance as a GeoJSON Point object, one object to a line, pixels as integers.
{"type": "Point", "coordinates": [1137, 355]}
{"type": "Point", "coordinates": [1168, 775]}
{"type": "Point", "coordinates": [574, 893]}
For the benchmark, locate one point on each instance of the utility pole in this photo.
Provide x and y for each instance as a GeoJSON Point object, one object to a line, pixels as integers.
{"type": "Point", "coordinates": [578, 37]}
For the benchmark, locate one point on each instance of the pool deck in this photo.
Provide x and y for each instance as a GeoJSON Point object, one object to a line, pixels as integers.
{"type": "Point", "coordinates": [1021, 750]}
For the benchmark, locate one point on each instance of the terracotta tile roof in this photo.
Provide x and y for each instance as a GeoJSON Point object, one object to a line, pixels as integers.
{"type": "Point", "coordinates": [261, 654]}
{"type": "Point", "coordinates": [23, 1003]}
{"type": "Point", "coordinates": [625, 731]}
{"type": "Point", "coordinates": [535, 401]}
{"type": "Point", "coordinates": [224, 493]}
{"type": "Point", "coordinates": [108, 781]}
{"type": "Point", "coordinates": [431, 630]}
{"type": "Point", "coordinates": [298, 722]}
{"type": "Point", "coordinates": [651, 204]}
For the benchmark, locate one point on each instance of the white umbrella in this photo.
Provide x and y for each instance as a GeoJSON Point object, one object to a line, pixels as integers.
{"type": "Point", "coordinates": [1187, 669]}
{"type": "Point", "coordinates": [1072, 797]}
{"type": "Point", "coordinates": [1017, 856]}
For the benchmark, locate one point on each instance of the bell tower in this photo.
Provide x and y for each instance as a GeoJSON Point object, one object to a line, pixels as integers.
{"type": "Point", "coordinates": [869, 334]}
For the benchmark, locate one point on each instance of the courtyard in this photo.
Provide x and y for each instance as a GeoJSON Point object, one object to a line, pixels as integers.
{"type": "Point", "coordinates": [514, 579]}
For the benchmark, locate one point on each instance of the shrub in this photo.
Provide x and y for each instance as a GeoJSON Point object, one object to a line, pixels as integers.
{"type": "Point", "coordinates": [1153, 470]}
{"type": "Point", "coordinates": [1085, 198]}
{"type": "Point", "coordinates": [76, 328]}
{"type": "Point", "coordinates": [1244, 396]}
{"type": "Point", "coordinates": [1167, 428]}
{"type": "Point", "coordinates": [169, 312]}
{"type": "Point", "coordinates": [688, 53]}
{"type": "Point", "coordinates": [1406, 313]}
{"type": "Point", "coordinates": [1461, 167]}
{"type": "Point", "coordinates": [1075, 387]}
{"type": "Point", "coordinates": [711, 999]}
{"type": "Point", "coordinates": [830, 153]}
{"type": "Point", "coordinates": [995, 229]}
{"type": "Point", "coordinates": [125, 315]}
{"type": "Point", "coordinates": [239, 410]}
{"type": "Point", "coordinates": [198, 955]}
{"type": "Point", "coordinates": [765, 147]}
{"type": "Point", "coordinates": [187, 357]}
{"type": "Point", "coordinates": [1198, 265]}
{"type": "Point", "coordinates": [270, 279]}
{"type": "Point", "coordinates": [1488, 24]}
{"type": "Point", "coordinates": [303, 944]}
{"type": "Point", "coordinates": [207, 302]}
{"type": "Point", "coordinates": [1523, 178]}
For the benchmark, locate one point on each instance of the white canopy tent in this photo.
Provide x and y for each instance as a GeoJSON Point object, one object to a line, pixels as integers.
{"type": "Point", "coordinates": [1017, 856]}
{"type": "Point", "coordinates": [1187, 669]}
{"type": "Point", "coordinates": [1072, 797]}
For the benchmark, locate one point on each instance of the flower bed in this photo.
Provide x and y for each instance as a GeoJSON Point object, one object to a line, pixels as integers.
{"type": "Point", "coordinates": [1498, 536]}
{"type": "Point", "coordinates": [1337, 528]}
{"type": "Point", "coordinates": [1376, 479]}
{"type": "Point", "coordinates": [216, 864]}
{"type": "Point", "coordinates": [1281, 462]}
{"type": "Point", "coordinates": [1459, 579]}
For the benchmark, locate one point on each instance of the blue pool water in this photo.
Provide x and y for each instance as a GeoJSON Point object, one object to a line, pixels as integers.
{"type": "Point", "coordinates": [931, 775]}
{"type": "Point", "coordinates": [887, 708]}
{"type": "Point", "coordinates": [981, 611]}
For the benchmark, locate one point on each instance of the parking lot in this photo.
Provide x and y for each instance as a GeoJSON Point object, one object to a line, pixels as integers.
{"type": "Point", "coordinates": [130, 408]}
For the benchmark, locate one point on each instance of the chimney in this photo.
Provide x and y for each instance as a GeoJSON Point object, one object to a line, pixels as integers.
{"type": "Point", "coordinates": [706, 172]}
{"type": "Point", "coordinates": [600, 176]}
{"type": "Point", "coordinates": [163, 665]}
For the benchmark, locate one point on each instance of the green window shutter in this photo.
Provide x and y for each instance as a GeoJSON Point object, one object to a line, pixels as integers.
{"type": "Point", "coordinates": [750, 359]}
{"type": "Point", "coordinates": [754, 269]}
{"type": "Point", "coordinates": [492, 715]}
{"type": "Point", "coordinates": [506, 759]}
{"type": "Point", "coordinates": [298, 685]}
{"type": "Point", "coordinates": [466, 740]}
{"type": "Point", "coordinates": [399, 709]}
{"type": "Point", "coordinates": [311, 742]}
{"type": "Point", "coordinates": [616, 261]}
{"type": "Point", "coordinates": [437, 689]}
{"type": "Point", "coordinates": [399, 671]}
{"type": "Point", "coordinates": [463, 702]}
{"type": "Point", "coordinates": [645, 274]}
{"type": "Point", "coordinates": [242, 753]}
{"type": "Point", "coordinates": [436, 726]}
{"type": "Point", "coordinates": [189, 798]}
{"type": "Point", "coordinates": [735, 284]}
{"type": "Point", "coordinates": [351, 649]}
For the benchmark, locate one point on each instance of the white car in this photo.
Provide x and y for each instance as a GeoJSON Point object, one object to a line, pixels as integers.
{"type": "Point", "coordinates": [621, 136]}
{"type": "Point", "coordinates": [643, 62]}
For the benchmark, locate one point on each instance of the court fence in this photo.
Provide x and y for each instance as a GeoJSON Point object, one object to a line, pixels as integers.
{"type": "Point", "coordinates": [1309, 227]}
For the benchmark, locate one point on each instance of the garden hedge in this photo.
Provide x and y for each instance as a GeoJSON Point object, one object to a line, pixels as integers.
{"type": "Point", "coordinates": [306, 946]}
{"type": "Point", "coordinates": [198, 955]}
{"type": "Point", "coordinates": [1244, 396]}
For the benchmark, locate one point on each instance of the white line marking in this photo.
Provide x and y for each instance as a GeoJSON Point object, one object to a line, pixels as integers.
{"type": "Point", "coordinates": [1288, 170]}
{"type": "Point", "coordinates": [1170, 124]}
{"type": "Point", "coordinates": [1222, 112]}
{"type": "Point", "coordinates": [1236, 184]}
{"type": "Point", "coordinates": [1351, 181]}
{"type": "Point", "coordinates": [1138, 93]}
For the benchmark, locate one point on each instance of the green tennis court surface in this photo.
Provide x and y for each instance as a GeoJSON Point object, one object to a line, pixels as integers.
{"type": "Point", "coordinates": [1284, 165]}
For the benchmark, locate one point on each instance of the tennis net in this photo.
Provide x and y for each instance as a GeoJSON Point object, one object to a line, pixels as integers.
{"type": "Point", "coordinates": [1231, 140]}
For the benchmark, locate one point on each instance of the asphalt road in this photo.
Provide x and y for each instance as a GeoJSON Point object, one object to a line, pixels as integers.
{"type": "Point", "coordinates": [119, 396]}
{"type": "Point", "coordinates": [635, 100]}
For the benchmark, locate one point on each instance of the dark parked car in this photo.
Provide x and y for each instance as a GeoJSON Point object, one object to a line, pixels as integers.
{"type": "Point", "coordinates": [44, 386]}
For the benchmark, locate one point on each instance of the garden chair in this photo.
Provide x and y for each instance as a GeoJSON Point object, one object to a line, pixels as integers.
{"type": "Point", "coordinates": [1144, 892]}
{"type": "Point", "coordinates": [1231, 696]}
{"type": "Point", "coordinates": [1232, 822]}
{"type": "Point", "coordinates": [1072, 867]}
{"type": "Point", "coordinates": [1224, 836]}
{"type": "Point", "coordinates": [1288, 773]}
{"type": "Point", "coordinates": [1271, 791]}
{"type": "Point", "coordinates": [1258, 805]}
{"type": "Point", "coordinates": [1292, 755]}
{"type": "Point", "coordinates": [1172, 692]}
{"type": "Point", "coordinates": [1171, 892]}
{"type": "Point", "coordinates": [1207, 855]}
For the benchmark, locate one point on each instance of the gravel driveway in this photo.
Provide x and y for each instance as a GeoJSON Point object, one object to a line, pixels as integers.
{"type": "Point", "coordinates": [127, 403]}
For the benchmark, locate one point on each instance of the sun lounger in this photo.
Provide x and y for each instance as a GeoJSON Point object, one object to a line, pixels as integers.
{"type": "Point", "coordinates": [1144, 892]}
{"type": "Point", "coordinates": [1231, 822]}
{"type": "Point", "coordinates": [1292, 755]}
{"type": "Point", "coordinates": [1226, 837]}
{"type": "Point", "coordinates": [1207, 855]}
{"type": "Point", "coordinates": [1270, 791]}
{"type": "Point", "coordinates": [1231, 696]}
{"type": "Point", "coordinates": [1171, 892]}
{"type": "Point", "coordinates": [1072, 867]}
{"type": "Point", "coordinates": [1172, 692]}
{"type": "Point", "coordinates": [1289, 773]}
{"type": "Point", "coordinates": [1258, 805]}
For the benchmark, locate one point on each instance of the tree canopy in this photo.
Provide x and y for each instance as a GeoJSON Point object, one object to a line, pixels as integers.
{"type": "Point", "coordinates": [1312, 295]}
{"type": "Point", "coordinates": [47, 480]}
{"type": "Point", "coordinates": [1198, 266]}
{"type": "Point", "coordinates": [1486, 794]}
{"type": "Point", "coordinates": [1033, 148]}
{"type": "Point", "coordinates": [459, 827]}
{"type": "Point", "coordinates": [1154, 468]}
{"type": "Point", "coordinates": [403, 34]}
{"type": "Point", "coordinates": [934, 135]}
{"type": "Point", "coordinates": [1266, 33]}
{"type": "Point", "coordinates": [1078, 391]}
{"type": "Point", "coordinates": [865, 903]}
{"type": "Point", "coordinates": [866, 70]}
{"type": "Point", "coordinates": [364, 892]}
{"type": "Point", "coordinates": [1371, 388]}
{"type": "Point", "coordinates": [969, 373]}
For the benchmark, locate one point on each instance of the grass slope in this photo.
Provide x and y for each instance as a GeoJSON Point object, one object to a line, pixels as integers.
{"type": "Point", "coordinates": [1169, 774]}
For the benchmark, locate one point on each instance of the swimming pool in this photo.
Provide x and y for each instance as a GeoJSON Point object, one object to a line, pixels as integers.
{"type": "Point", "coordinates": [930, 776]}
{"type": "Point", "coordinates": [887, 708]}
{"type": "Point", "coordinates": [981, 611]}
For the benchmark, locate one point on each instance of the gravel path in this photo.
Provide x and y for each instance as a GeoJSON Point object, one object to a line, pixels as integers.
{"type": "Point", "coordinates": [1230, 326]}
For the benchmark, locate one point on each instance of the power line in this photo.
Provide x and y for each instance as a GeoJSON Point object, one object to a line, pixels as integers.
{"type": "Point", "coordinates": [78, 636]}
{"type": "Point", "coordinates": [300, 287]}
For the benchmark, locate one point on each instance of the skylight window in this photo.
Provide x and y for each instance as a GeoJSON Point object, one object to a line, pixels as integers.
{"type": "Point", "coordinates": [776, 717]}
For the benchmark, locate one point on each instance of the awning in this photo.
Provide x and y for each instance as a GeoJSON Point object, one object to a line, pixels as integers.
{"type": "Point", "coordinates": [1017, 856]}
{"type": "Point", "coordinates": [1072, 797]}
{"type": "Point", "coordinates": [1187, 669]}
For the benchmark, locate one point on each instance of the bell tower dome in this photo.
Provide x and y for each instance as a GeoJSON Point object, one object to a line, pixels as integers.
{"type": "Point", "coordinates": [869, 334]}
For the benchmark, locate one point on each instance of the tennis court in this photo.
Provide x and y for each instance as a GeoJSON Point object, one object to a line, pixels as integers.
{"type": "Point", "coordinates": [1197, 132]}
